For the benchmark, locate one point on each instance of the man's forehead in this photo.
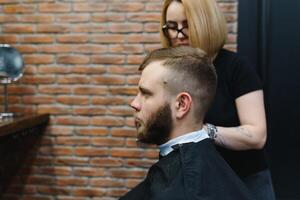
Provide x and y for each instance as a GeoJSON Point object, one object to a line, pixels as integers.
{"type": "Point", "coordinates": [153, 73]}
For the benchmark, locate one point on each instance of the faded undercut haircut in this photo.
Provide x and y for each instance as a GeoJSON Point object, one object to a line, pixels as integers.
{"type": "Point", "coordinates": [191, 71]}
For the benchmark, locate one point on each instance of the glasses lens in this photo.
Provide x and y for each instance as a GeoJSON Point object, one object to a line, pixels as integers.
{"type": "Point", "coordinates": [171, 31]}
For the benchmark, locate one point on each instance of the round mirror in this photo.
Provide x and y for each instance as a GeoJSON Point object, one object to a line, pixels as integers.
{"type": "Point", "coordinates": [11, 63]}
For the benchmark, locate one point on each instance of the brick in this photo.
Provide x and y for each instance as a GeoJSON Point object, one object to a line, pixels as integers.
{"type": "Point", "coordinates": [231, 39]}
{"type": "Point", "coordinates": [127, 153]}
{"type": "Point", "coordinates": [132, 182]}
{"type": "Point", "coordinates": [73, 59]}
{"type": "Point", "coordinates": [38, 79]}
{"type": "Point", "coordinates": [57, 48]}
{"type": "Point", "coordinates": [8, 19]}
{"type": "Point", "coordinates": [54, 90]}
{"type": "Point", "coordinates": [45, 69]}
{"type": "Point", "coordinates": [120, 111]}
{"type": "Point", "coordinates": [72, 141]}
{"type": "Point", "coordinates": [72, 79]}
{"type": "Point", "coordinates": [56, 151]}
{"type": "Point", "coordinates": [153, 7]}
{"type": "Point", "coordinates": [122, 132]}
{"type": "Point", "coordinates": [127, 7]}
{"type": "Point", "coordinates": [72, 39]}
{"type": "Point", "coordinates": [135, 59]}
{"type": "Point", "coordinates": [144, 17]}
{"type": "Point", "coordinates": [123, 70]}
{"type": "Point", "coordinates": [89, 110]}
{"type": "Point", "coordinates": [128, 49]}
{"type": "Point", "coordinates": [106, 182]}
{"type": "Point", "coordinates": [71, 181]}
{"type": "Point", "coordinates": [89, 7]}
{"type": "Point", "coordinates": [151, 47]}
{"type": "Point", "coordinates": [108, 80]}
{"type": "Point", "coordinates": [133, 80]}
{"type": "Point", "coordinates": [90, 90]}
{"type": "Point", "coordinates": [70, 120]}
{"type": "Point", "coordinates": [41, 18]}
{"type": "Point", "coordinates": [38, 99]}
{"type": "Point", "coordinates": [88, 171]}
{"type": "Point", "coordinates": [56, 110]}
{"type": "Point", "coordinates": [52, 28]}
{"type": "Point", "coordinates": [90, 151]}
{"type": "Point", "coordinates": [128, 173]}
{"type": "Point", "coordinates": [77, 18]}
{"type": "Point", "coordinates": [41, 180]}
{"type": "Point", "coordinates": [123, 90]}
{"type": "Point", "coordinates": [55, 171]}
{"type": "Point", "coordinates": [60, 130]}
{"type": "Point", "coordinates": [89, 28]}
{"type": "Point", "coordinates": [50, 190]}
{"type": "Point", "coordinates": [54, 7]}
{"type": "Point", "coordinates": [151, 27]}
{"type": "Point", "coordinates": [26, 48]}
{"type": "Point", "coordinates": [12, 89]}
{"type": "Point", "coordinates": [14, 9]}
{"type": "Point", "coordinates": [109, 100]}
{"type": "Point", "coordinates": [73, 100]}
{"type": "Point", "coordinates": [88, 49]}
{"type": "Point", "coordinates": [110, 39]}
{"type": "Point", "coordinates": [83, 69]}
{"type": "Point", "coordinates": [8, 38]}
{"type": "Point", "coordinates": [228, 7]}
{"type": "Point", "coordinates": [125, 27]}
{"type": "Point", "coordinates": [88, 192]}
{"type": "Point", "coordinates": [111, 17]}
{"type": "Point", "coordinates": [34, 197]}
{"type": "Point", "coordinates": [117, 192]}
{"type": "Point", "coordinates": [107, 121]}
{"type": "Point", "coordinates": [139, 163]}
{"type": "Point", "coordinates": [18, 28]}
{"type": "Point", "coordinates": [106, 162]}
{"type": "Point", "coordinates": [230, 17]}
{"type": "Point", "coordinates": [108, 59]}
{"type": "Point", "coordinates": [109, 142]}
{"type": "Point", "coordinates": [146, 38]}
{"type": "Point", "coordinates": [38, 59]}
{"type": "Point", "coordinates": [71, 161]}
{"type": "Point", "coordinates": [92, 131]}
{"type": "Point", "coordinates": [37, 39]}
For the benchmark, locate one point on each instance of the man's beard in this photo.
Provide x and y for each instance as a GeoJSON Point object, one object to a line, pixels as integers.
{"type": "Point", "coordinates": [159, 127]}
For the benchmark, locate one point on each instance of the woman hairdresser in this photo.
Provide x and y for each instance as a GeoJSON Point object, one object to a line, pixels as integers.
{"type": "Point", "coordinates": [236, 121]}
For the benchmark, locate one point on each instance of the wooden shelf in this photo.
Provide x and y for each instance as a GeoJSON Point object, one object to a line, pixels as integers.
{"type": "Point", "coordinates": [19, 124]}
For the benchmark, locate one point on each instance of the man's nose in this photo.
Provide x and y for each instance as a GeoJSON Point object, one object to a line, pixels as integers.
{"type": "Point", "coordinates": [135, 104]}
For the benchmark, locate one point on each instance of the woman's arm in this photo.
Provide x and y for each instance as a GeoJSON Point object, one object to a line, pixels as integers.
{"type": "Point", "coordinates": [252, 133]}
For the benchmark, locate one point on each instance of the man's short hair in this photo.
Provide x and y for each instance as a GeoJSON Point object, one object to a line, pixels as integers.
{"type": "Point", "coordinates": [191, 71]}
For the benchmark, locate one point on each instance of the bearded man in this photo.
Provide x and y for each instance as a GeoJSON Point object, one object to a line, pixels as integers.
{"type": "Point", "coordinates": [176, 88]}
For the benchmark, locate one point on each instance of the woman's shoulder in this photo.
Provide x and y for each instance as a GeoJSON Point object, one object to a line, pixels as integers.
{"type": "Point", "coordinates": [231, 61]}
{"type": "Point", "coordinates": [227, 56]}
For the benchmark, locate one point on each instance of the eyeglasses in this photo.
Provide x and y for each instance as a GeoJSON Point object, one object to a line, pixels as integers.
{"type": "Point", "coordinates": [171, 30]}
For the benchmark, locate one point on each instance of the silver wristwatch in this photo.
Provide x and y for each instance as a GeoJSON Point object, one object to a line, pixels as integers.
{"type": "Point", "coordinates": [212, 131]}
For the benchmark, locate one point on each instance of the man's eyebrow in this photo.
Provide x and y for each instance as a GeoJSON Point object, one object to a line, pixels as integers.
{"type": "Point", "coordinates": [144, 90]}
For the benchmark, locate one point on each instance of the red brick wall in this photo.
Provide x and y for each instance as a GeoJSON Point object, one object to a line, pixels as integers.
{"type": "Point", "coordinates": [81, 67]}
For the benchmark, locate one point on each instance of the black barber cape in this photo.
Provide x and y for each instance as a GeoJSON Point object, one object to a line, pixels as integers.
{"type": "Point", "coordinates": [193, 171]}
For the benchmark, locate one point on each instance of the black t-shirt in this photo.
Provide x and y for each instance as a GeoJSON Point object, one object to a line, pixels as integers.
{"type": "Point", "coordinates": [235, 78]}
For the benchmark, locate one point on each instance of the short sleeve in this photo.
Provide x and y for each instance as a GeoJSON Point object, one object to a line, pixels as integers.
{"type": "Point", "coordinates": [244, 78]}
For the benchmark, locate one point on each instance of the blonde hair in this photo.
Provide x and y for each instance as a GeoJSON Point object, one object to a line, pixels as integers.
{"type": "Point", "coordinates": [207, 25]}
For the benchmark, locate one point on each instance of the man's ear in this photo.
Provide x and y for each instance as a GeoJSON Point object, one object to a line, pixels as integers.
{"type": "Point", "coordinates": [183, 104]}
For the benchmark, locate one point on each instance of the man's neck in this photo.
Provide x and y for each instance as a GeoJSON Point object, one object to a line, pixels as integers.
{"type": "Point", "coordinates": [182, 130]}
